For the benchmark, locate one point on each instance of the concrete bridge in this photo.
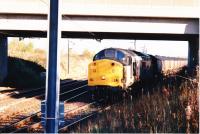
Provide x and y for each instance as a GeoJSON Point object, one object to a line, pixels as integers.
{"type": "Point", "coordinates": [104, 19]}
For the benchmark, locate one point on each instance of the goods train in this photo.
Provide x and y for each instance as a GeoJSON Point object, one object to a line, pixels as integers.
{"type": "Point", "coordinates": [120, 68]}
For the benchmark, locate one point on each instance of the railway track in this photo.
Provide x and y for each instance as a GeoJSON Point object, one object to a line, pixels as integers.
{"type": "Point", "coordinates": [79, 118]}
{"type": "Point", "coordinates": [37, 127]}
{"type": "Point", "coordinates": [38, 93]}
{"type": "Point", "coordinates": [34, 121]}
{"type": "Point", "coordinates": [72, 116]}
{"type": "Point", "coordinates": [23, 119]}
{"type": "Point", "coordinates": [20, 93]}
{"type": "Point", "coordinates": [7, 97]}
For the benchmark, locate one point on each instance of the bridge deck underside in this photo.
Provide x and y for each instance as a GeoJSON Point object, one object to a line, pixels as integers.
{"type": "Point", "coordinates": [100, 35]}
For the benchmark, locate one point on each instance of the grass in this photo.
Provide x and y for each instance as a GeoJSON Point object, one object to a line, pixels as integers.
{"type": "Point", "coordinates": [160, 112]}
{"type": "Point", "coordinates": [165, 108]}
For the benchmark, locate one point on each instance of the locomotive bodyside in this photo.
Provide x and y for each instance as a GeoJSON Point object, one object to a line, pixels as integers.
{"type": "Point", "coordinates": [146, 70]}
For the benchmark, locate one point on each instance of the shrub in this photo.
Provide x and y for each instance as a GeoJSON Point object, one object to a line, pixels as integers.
{"type": "Point", "coordinates": [22, 73]}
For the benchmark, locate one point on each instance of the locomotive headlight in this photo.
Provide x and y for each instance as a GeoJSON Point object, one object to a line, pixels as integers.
{"type": "Point", "coordinates": [103, 77]}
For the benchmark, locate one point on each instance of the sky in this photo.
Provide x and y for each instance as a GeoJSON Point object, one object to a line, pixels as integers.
{"type": "Point", "coordinates": [164, 48]}
{"type": "Point", "coordinates": [155, 47]}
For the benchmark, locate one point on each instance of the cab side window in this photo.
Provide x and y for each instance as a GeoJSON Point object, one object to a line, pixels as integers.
{"type": "Point", "coordinates": [129, 60]}
{"type": "Point", "coordinates": [134, 68]}
{"type": "Point", "coordinates": [120, 56]}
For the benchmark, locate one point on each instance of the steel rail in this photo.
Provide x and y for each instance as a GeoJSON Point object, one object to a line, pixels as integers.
{"type": "Point", "coordinates": [73, 89]}
{"type": "Point", "coordinates": [25, 129]}
{"type": "Point", "coordinates": [25, 91]}
{"type": "Point", "coordinates": [41, 95]}
{"type": "Point", "coordinates": [36, 113]}
{"type": "Point", "coordinates": [86, 116]}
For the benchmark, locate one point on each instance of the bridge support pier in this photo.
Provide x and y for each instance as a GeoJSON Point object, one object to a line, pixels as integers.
{"type": "Point", "coordinates": [193, 55]}
{"type": "Point", "coordinates": [3, 58]}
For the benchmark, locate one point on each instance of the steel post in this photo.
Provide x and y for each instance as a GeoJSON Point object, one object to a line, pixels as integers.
{"type": "Point", "coordinates": [193, 55]}
{"type": "Point", "coordinates": [3, 58]}
{"type": "Point", "coordinates": [53, 64]}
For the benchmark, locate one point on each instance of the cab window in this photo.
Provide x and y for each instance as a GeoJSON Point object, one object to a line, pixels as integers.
{"type": "Point", "coordinates": [99, 55]}
{"type": "Point", "coordinates": [110, 53]}
{"type": "Point", "coordinates": [120, 56]}
{"type": "Point", "coordinates": [134, 68]}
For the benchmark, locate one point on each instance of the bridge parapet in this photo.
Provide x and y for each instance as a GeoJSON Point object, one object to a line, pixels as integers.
{"type": "Point", "coordinates": [145, 8]}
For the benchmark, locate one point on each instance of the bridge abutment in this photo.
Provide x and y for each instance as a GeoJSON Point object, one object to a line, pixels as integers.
{"type": "Point", "coordinates": [193, 55]}
{"type": "Point", "coordinates": [3, 58]}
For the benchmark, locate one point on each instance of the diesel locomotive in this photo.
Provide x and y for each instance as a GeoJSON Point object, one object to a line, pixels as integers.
{"type": "Point", "coordinates": [120, 68]}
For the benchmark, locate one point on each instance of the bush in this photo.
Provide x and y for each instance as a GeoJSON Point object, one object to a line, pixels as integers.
{"type": "Point", "coordinates": [22, 73]}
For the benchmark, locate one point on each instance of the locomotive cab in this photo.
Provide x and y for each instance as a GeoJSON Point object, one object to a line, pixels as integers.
{"type": "Point", "coordinates": [107, 69]}
{"type": "Point", "coordinates": [110, 67]}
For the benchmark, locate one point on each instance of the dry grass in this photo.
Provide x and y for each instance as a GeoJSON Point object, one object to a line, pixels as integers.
{"type": "Point", "coordinates": [78, 66]}
{"type": "Point", "coordinates": [173, 107]}
{"type": "Point", "coordinates": [24, 51]}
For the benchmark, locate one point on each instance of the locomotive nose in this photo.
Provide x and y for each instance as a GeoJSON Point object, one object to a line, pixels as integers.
{"type": "Point", "coordinates": [107, 73]}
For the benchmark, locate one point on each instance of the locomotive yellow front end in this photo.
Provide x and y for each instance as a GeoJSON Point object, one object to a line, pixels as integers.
{"type": "Point", "coordinates": [105, 72]}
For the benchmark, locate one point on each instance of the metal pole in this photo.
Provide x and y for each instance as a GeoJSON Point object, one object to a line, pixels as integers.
{"type": "Point", "coordinates": [53, 79]}
{"type": "Point", "coordinates": [3, 58]}
{"type": "Point", "coordinates": [68, 56]}
{"type": "Point", "coordinates": [135, 44]}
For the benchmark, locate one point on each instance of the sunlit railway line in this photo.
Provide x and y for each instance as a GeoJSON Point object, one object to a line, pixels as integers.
{"type": "Point", "coordinates": [15, 99]}
{"type": "Point", "coordinates": [70, 87]}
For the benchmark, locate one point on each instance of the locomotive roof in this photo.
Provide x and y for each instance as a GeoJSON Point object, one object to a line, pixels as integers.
{"type": "Point", "coordinates": [125, 51]}
{"type": "Point", "coordinates": [143, 55]}
{"type": "Point", "coordinates": [131, 52]}
{"type": "Point", "coordinates": [140, 54]}
{"type": "Point", "coordinates": [128, 52]}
